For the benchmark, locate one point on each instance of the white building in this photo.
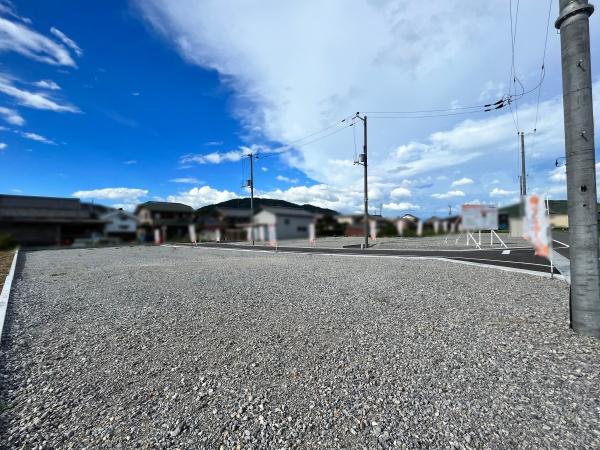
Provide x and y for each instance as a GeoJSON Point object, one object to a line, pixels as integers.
{"type": "Point", "coordinates": [120, 223]}
{"type": "Point", "coordinates": [276, 223]}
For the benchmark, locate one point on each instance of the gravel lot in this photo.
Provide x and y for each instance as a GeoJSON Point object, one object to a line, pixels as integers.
{"type": "Point", "coordinates": [435, 242]}
{"type": "Point", "coordinates": [197, 348]}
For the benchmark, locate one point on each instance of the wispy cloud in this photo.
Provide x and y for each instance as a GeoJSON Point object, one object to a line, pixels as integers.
{"type": "Point", "coordinates": [117, 193]}
{"type": "Point", "coordinates": [286, 179]}
{"type": "Point", "coordinates": [213, 143]}
{"type": "Point", "coordinates": [188, 180]}
{"type": "Point", "coordinates": [37, 100]}
{"type": "Point", "coordinates": [2, 145]}
{"type": "Point", "coordinates": [11, 116]}
{"type": "Point", "coordinates": [462, 182]}
{"type": "Point", "coordinates": [19, 38]}
{"type": "Point", "coordinates": [8, 8]}
{"type": "Point", "coordinates": [264, 169]}
{"type": "Point", "coordinates": [38, 138]}
{"type": "Point", "coordinates": [67, 41]}
{"type": "Point", "coordinates": [401, 206]}
{"type": "Point", "coordinates": [47, 84]}
{"type": "Point", "coordinates": [130, 162]}
{"type": "Point", "coordinates": [449, 194]}
{"type": "Point", "coordinates": [221, 157]}
{"type": "Point", "coordinates": [213, 158]}
{"type": "Point", "coordinates": [497, 192]}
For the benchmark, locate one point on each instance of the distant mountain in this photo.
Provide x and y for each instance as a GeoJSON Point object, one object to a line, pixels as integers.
{"type": "Point", "coordinates": [244, 203]}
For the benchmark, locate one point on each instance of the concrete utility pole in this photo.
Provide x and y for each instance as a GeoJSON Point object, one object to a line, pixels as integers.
{"type": "Point", "coordinates": [523, 171]}
{"type": "Point", "coordinates": [363, 160]}
{"type": "Point", "coordinates": [573, 23]}
{"type": "Point", "coordinates": [251, 184]}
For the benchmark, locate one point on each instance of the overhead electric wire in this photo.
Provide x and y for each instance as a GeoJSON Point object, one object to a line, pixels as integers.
{"type": "Point", "coordinates": [543, 69]}
{"type": "Point", "coordinates": [513, 77]}
{"type": "Point", "coordinates": [294, 144]}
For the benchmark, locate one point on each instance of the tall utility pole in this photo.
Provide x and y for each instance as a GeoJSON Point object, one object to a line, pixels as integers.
{"type": "Point", "coordinates": [573, 23]}
{"type": "Point", "coordinates": [523, 171]}
{"type": "Point", "coordinates": [251, 185]}
{"type": "Point", "coordinates": [362, 159]}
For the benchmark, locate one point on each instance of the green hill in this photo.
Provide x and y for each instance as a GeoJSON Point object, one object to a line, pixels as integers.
{"type": "Point", "coordinates": [244, 203]}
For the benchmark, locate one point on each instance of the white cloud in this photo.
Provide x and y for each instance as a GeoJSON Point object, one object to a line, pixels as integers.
{"type": "Point", "coordinates": [449, 194]}
{"type": "Point", "coordinates": [47, 84]}
{"type": "Point", "coordinates": [129, 195]}
{"type": "Point", "coordinates": [279, 97]}
{"type": "Point", "coordinates": [221, 157]}
{"type": "Point", "coordinates": [286, 179]}
{"type": "Point", "coordinates": [38, 138]}
{"type": "Point", "coordinates": [2, 145]}
{"type": "Point", "coordinates": [130, 162]}
{"type": "Point", "coordinates": [213, 158]}
{"type": "Point", "coordinates": [188, 180]}
{"type": "Point", "coordinates": [19, 38]}
{"type": "Point", "coordinates": [201, 196]}
{"type": "Point", "coordinates": [11, 116]}
{"type": "Point", "coordinates": [497, 192]}
{"type": "Point", "coordinates": [37, 100]}
{"type": "Point", "coordinates": [213, 143]}
{"type": "Point", "coordinates": [462, 182]}
{"type": "Point", "coordinates": [135, 94]}
{"type": "Point", "coordinates": [264, 169]}
{"type": "Point", "coordinates": [400, 206]}
{"type": "Point", "coordinates": [400, 192]}
{"type": "Point", "coordinates": [67, 41]}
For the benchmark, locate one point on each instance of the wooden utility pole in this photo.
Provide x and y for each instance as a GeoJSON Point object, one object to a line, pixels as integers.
{"type": "Point", "coordinates": [573, 23]}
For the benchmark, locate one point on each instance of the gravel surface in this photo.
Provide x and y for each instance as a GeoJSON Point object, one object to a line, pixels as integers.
{"type": "Point", "coordinates": [433, 242]}
{"type": "Point", "coordinates": [199, 348]}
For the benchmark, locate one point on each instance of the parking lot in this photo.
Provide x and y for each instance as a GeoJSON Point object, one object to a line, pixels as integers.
{"type": "Point", "coordinates": [161, 347]}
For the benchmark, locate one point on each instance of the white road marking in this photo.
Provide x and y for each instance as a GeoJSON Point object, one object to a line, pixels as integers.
{"type": "Point", "coordinates": [561, 243]}
{"type": "Point", "coordinates": [506, 252]}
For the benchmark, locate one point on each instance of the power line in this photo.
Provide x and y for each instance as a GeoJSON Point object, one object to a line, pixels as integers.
{"type": "Point", "coordinates": [543, 69]}
{"type": "Point", "coordinates": [513, 77]}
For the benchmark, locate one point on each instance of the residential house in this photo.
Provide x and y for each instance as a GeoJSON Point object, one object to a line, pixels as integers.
{"type": "Point", "coordinates": [276, 223]}
{"type": "Point", "coordinates": [47, 220]}
{"type": "Point", "coordinates": [227, 224]}
{"type": "Point", "coordinates": [171, 221]}
{"type": "Point", "coordinates": [120, 224]}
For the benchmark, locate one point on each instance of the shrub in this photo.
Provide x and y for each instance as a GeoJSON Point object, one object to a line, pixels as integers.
{"type": "Point", "coordinates": [7, 242]}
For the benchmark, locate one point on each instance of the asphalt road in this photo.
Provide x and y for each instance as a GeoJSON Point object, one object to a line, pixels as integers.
{"type": "Point", "coordinates": [523, 259]}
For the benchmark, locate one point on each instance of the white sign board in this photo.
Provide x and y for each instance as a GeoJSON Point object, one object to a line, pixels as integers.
{"type": "Point", "coordinates": [536, 226]}
{"type": "Point", "coordinates": [479, 217]}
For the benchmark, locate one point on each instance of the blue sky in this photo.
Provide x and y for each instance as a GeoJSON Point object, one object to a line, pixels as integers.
{"type": "Point", "coordinates": [121, 102]}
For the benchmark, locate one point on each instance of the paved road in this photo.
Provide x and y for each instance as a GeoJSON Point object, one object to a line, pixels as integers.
{"type": "Point", "coordinates": [523, 259]}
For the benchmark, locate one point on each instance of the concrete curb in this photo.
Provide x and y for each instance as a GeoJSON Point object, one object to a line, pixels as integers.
{"type": "Point", "coordinates": [4, 296]}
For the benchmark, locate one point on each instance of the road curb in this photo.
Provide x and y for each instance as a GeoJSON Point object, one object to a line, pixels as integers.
{"type": "Point", "coordinates": [5, 294]}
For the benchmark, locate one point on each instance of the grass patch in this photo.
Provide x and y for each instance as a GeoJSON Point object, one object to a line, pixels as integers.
{"type": "Point", "coordinates": [6, 257]}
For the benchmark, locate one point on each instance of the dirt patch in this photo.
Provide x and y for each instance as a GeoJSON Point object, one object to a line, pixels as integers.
{"type": "Point", "coordinates": [6, 258]}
